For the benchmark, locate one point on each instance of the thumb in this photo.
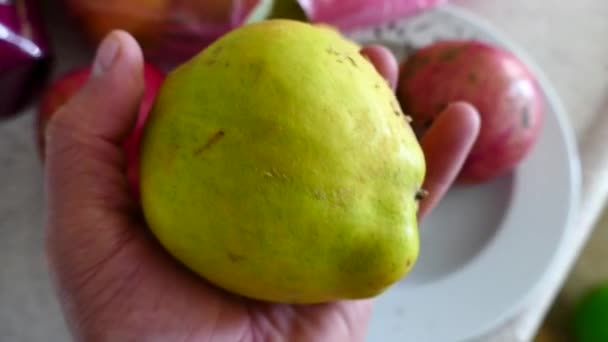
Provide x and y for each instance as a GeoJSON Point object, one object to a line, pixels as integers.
{"type": "Point", "coordinates": [84, 138]}
{"type": "Point", "coordinates": [86, 185]}
{"type": "Point", "coordinates": [105, 108]}
{"type": "Point", "coordinates": [446, 146]}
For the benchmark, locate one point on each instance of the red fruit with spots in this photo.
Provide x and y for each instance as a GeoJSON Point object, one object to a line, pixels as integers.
{"type": "Point", "coordinates": [496, 82]}
{"type": "Point", "coordinates": [66, 86]}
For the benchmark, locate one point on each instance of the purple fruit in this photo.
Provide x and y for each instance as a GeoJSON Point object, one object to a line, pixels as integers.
{"type": "Point", "coordinates": [24, 55]}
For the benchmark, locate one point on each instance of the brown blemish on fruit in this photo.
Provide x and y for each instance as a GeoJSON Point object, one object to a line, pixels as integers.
{"type": "Point", "coordinates": [414, 63]}
{"type": "Point", "coordinates": [235, 258]}
{"type": "Point", "coordinates": [525, 116]}
{"type": "Point", "coordinates": [396, 108]}
{"type": "Point", "coordinates": [422, 61]}
{"type": "Point", "coordinates": [331, 51]}
{"type": "Point", "coordinates": [450, 54]}
{"type": "Point", "coordinates": [256, 71]}
{"type": "Point", "coordinates": [214, 139]}
{"type": "Point", "coordinates": [352, 61]}
{"type": "Point", "coordinates": [472, 77]}
{"type": "Point", "coordinates": [421, 194]}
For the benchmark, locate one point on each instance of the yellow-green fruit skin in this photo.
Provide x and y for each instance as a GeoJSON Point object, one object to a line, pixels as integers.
{"type": "Point", "coordinates": [277, 165]}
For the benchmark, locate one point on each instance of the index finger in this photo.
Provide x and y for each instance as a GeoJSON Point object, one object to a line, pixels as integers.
{"type": "Point", "coordinates": [446, 146]}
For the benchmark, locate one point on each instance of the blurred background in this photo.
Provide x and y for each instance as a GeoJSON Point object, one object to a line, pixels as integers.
{"type": "Point", "coordinates": [567, 40]}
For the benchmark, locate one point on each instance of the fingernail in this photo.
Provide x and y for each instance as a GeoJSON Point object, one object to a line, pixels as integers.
{"type": "Point", "coordinates": [106, 55]}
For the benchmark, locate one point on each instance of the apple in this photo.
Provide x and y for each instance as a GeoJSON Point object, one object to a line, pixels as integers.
{"type": "Point", "coordinates": [65, 87]}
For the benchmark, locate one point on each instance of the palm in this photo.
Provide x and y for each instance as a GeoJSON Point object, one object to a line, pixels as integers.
{"type": "Point", "coordinates": [141, 291]}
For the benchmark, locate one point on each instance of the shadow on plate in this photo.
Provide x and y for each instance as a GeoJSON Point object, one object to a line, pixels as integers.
{"type": "Point", "coordinates": [459, 229]}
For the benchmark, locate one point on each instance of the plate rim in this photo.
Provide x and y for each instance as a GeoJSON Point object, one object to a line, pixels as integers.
{"type": "Point", "coordinates": [572, 160]}
{"type": "Point", "coordinates": [570, 141]}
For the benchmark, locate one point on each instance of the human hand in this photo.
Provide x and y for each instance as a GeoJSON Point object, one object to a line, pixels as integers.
{"type": "Point", "coordinates": [116, 283]}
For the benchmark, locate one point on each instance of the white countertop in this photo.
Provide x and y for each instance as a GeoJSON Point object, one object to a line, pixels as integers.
{"type": "Point", "coordinates": [567, 41]}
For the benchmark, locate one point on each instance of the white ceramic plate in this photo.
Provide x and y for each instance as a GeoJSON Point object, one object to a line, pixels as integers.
{"type": "Point", "coordinates": [485, 248]}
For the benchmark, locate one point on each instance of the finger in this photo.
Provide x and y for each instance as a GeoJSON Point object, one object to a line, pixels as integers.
{"type": "Point", "coordinates": [446, 146]}
{"type": "Point", "coordinates": [86, 182]}
{"type": "Point", "coordinates": [384, 61]}
{"type": "Point", "coordinates": [84, 138]}
{"type": "Point", "coordinates": [115, 83]}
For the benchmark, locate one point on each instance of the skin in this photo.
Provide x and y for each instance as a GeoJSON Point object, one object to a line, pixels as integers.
{"type": "Point", "coordinates": [61, 91]}
{"type": "Point", "coordinates": [115, 283]}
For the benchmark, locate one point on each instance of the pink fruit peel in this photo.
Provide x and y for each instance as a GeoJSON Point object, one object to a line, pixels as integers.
{"type": "Point", "coordinates": [493, 80]}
